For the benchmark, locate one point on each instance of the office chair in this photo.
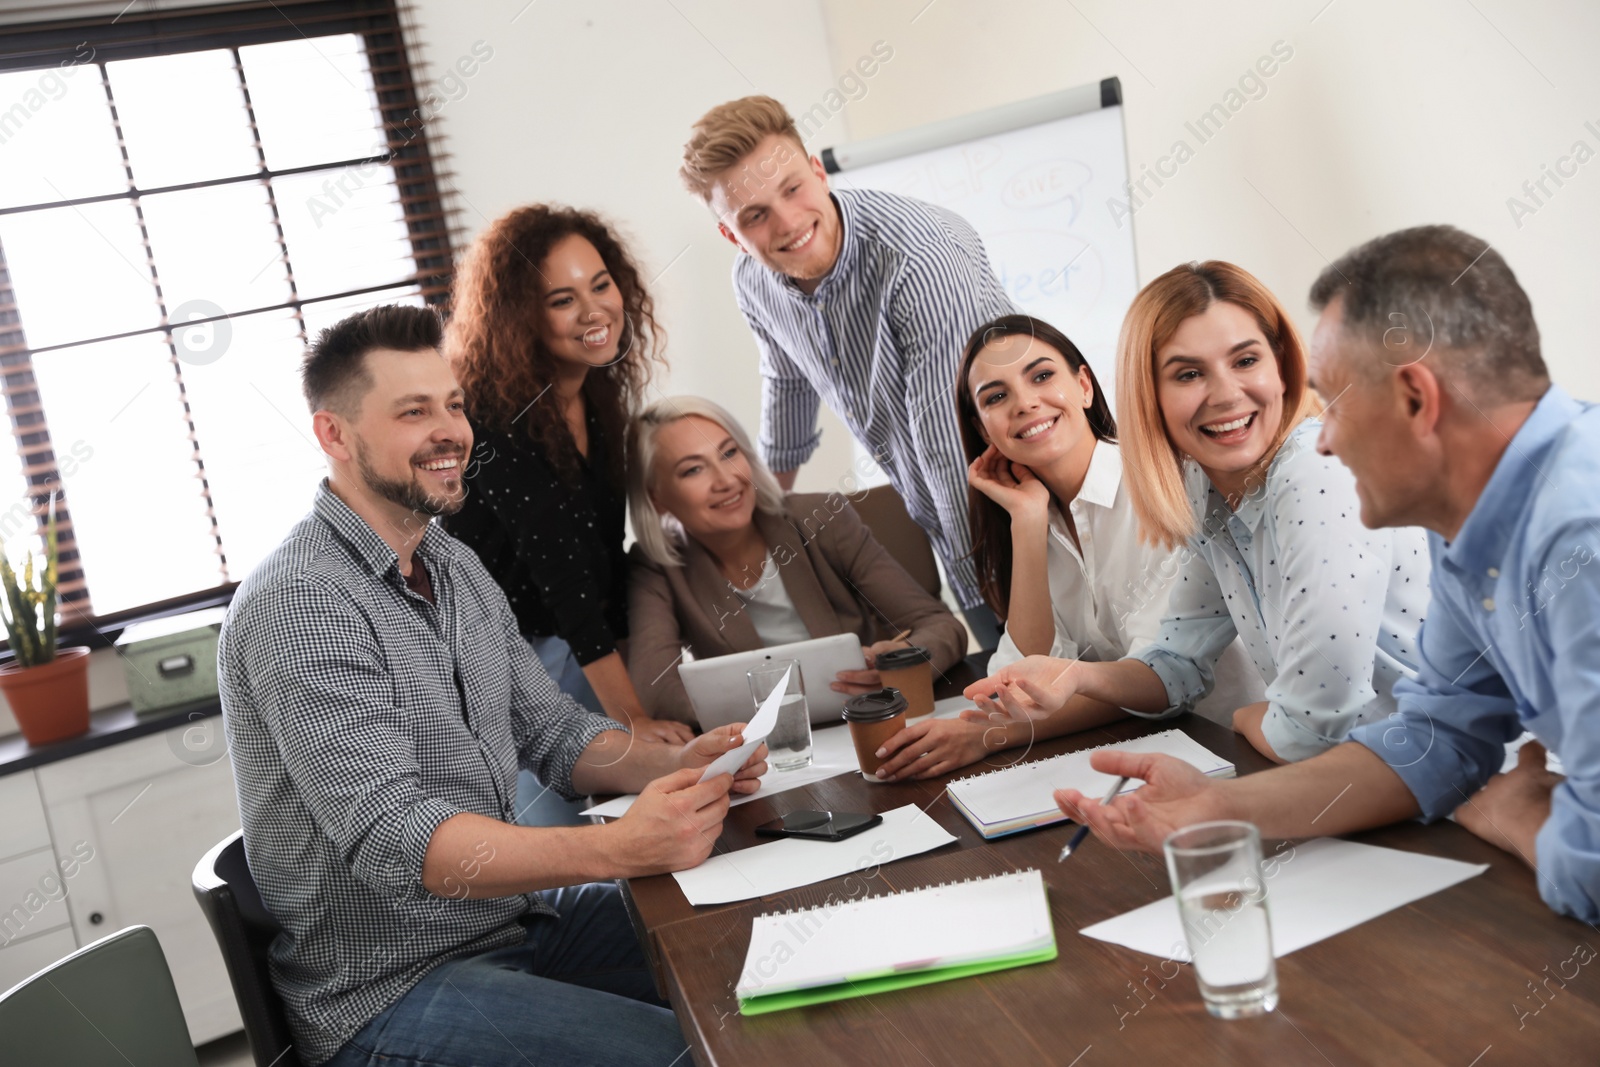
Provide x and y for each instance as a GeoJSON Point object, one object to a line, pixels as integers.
{"type": "Point", "coordinates": [244, 928]}
{"type": "Point", "coordinates": [106, 1005]}
{"type": "Point", "coordinates": [885, 515]}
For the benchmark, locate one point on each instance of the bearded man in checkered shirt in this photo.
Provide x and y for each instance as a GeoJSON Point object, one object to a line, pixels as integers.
{"type": "Point", "coordinates": [379, 700]}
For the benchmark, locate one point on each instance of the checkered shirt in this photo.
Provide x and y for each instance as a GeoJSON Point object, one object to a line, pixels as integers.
{"type": "Point", "coordinates": [359, 717]}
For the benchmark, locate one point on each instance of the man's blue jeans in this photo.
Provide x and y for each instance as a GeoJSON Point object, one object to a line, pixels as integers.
{"type": "Point", "coordinates": [577, 991]}
{"type": "Point", "coordinates": [536, 805]}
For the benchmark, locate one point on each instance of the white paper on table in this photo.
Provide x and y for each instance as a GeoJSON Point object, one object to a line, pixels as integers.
{"type": "Point", "coordinates": [755, 732]}
{"type": "Point", "coordinates": [1324, 887]}
{"type": "Point", "coordinates": [948, 708]}
{"type": "Point", "coordinates": [793, 862]}
{"type": "Point", "coordinates": [832, 753]}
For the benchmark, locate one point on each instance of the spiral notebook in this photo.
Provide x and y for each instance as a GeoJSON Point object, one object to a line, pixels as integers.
{"type": "Point", "coordinates": [1019, 797]}
{"type": "Point", "coordinates": [858, 947]}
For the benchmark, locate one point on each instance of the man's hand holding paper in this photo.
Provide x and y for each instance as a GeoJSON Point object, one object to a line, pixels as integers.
{"type": "Point", "coordinates": [741, 755]}
{"type": "Point", "coordinates": [678, 817]}
{"type": "Point", "coordinates": [733, 749]}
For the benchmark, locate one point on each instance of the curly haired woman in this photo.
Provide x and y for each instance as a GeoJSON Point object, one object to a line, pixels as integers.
{"type": "Point", "coordinates": [553, 336]}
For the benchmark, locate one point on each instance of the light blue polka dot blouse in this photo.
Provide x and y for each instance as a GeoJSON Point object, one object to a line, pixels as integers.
{"type": "Point", "coordinates": [1327, 609]}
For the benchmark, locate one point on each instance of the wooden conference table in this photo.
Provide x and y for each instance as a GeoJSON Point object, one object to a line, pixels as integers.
{"type": "Point", "coordinates": [1479, 975]}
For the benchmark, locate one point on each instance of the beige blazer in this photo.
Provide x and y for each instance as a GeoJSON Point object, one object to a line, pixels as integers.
{"type": "Point", "coordinates": [839, 577]}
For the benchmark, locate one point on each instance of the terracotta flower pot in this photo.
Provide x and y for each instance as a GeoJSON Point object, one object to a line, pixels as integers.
{"type": "Point", "coordinates": [50, 701]}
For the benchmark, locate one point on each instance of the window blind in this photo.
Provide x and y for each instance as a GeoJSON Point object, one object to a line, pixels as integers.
{"type": "Point", "coordinates": [187, 197]}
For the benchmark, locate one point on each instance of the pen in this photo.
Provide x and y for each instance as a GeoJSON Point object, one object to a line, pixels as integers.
{"type": "Point", "coordinates": [1083, 831]}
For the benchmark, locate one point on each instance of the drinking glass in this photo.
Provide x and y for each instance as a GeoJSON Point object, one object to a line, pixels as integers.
{"type": "Point", "coordinates": [789, 743]}
{"type": "Point", "coordinates": [1222, 900]}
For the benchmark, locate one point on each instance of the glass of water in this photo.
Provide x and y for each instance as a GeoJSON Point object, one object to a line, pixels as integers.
{"type": "Point", "coordinates": [1222, 899]}
{"type": "Point", "coordinates": [789, 743]}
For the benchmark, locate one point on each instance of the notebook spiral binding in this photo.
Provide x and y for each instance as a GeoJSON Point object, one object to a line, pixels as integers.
{"type": "Point", "coordinates": [902, 893]}
{"type": "Point", "coordinates": [1051, 759]}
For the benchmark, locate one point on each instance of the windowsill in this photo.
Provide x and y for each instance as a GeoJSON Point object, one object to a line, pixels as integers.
{"type": "Point", "coordinates": [113, 726]}
{"type": "Point", "coordinates": [107, 685]}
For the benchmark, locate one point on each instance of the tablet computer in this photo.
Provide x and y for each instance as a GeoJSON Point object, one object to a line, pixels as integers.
{"type": "Point", "coordinates": [719, 688]}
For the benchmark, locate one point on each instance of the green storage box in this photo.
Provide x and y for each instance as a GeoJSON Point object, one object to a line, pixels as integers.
{"type": "Point", "coordinates": [171, 662]}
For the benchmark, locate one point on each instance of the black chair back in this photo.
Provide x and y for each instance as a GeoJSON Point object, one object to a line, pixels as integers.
{"type": "Point", "coordinates": [244, 929]}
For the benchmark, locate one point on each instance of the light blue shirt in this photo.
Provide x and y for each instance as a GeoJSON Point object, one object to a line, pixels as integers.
{"type": "Point", "coordinates": [1512, 642]}
{"type": "Point", "coordinates": [1327, 609]}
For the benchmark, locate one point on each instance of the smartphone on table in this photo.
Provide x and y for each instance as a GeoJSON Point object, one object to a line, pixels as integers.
{"type": "Point", "coordinates": [819, 825]}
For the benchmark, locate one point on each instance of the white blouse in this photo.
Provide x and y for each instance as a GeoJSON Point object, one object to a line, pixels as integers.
{"type": "Point", "coordinates": [1328, 610]}
{"type": "Point", "coordinates": [770, 610]}
{"type": "Point", "coordinates": [1108, 600]}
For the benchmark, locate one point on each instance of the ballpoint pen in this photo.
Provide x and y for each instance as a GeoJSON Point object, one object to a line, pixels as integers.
{"type": "Point", "coordinates": [1083, 831]}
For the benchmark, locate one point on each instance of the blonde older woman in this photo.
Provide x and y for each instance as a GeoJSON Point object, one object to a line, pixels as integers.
{"type": "Point", "coordinates": [725, 562]}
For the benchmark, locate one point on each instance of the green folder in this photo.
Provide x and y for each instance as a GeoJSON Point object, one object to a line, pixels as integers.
{"type": "Point", "coordinates": [882, 983]}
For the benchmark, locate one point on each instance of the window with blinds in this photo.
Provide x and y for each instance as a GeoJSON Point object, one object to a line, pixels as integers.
{"type": "Point", "coordinates": [186, 199]}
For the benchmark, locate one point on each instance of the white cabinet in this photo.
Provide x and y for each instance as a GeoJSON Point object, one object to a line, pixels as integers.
{"type": "Point", "coordinates": [34, 894]}
{"type": "Point", "coordinates": [34, 928]}
{"type": "Point", "coordinates": [22, 825]}
{"type": "Point", "coordinates": [137, 816]}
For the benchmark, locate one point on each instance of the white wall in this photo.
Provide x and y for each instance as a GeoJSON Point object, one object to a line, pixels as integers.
{"type": "Point", "coordinates": [590, 104]}
{"type": "Point", "coordinates": [1387, 115]}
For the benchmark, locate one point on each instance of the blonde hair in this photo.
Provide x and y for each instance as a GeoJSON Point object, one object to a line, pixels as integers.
{"type": "Point", "coordinates": [726, 134]}
{"type": "Point", "coordinates": [659, 535]}
{"type": "Point", "coordinates": [1153, 465]}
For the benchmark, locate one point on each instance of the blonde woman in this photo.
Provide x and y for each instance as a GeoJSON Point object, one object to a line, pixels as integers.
{"type": "Point", "coordinates": [1219, 435]}
{"type": "Point", "coordinates": [725, 562]}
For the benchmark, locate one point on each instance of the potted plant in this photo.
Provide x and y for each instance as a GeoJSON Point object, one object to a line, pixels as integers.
{"type": "Point", "coordinates": [47, 688]}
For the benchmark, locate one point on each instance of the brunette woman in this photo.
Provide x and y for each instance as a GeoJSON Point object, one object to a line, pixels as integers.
{"type": "Point", "coordinates": [553, 336]}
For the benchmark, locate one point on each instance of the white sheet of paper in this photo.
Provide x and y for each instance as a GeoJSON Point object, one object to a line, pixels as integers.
{"type": "Point", "coordinates": [792, 862]}
{"type": "Point", "coordinates": [1324, 887]}
{"type": "Point", "coordinates": [948, 708]}
{"type": "Point", "coordinates": [832, 753]}
{"type": "Point", "coordinates": [615, 808]}
{"type": "Point", "coordinates": [755, 732]}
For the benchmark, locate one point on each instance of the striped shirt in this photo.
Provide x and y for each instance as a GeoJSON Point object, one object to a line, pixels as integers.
{"type": "Point", "coordinates": [359, 717]}
{"type": "Point", "coordinates": [880, 342]}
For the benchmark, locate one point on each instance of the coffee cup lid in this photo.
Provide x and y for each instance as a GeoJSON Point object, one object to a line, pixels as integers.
{"type": "Point", "coordinates": [897, 659]}
{"type": "Point", "coordinates": [875, 706]}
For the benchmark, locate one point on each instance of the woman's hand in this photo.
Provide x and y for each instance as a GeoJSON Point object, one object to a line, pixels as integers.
{"type": "Point", "coordinates": [854, 683]}
{"type": "Point", "coordinates": [1011, 485]}
{"type": "Point", "coordinates": [665, 731]}
{"type": "Point", "coordinates": [1031, 688]}
{"type": "Point", "coordinates": [937, 746]}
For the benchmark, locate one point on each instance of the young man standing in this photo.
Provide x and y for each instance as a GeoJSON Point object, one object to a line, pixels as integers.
{"type": "Point", "coordinates": [378, 700]}
{"type": "Point", "coordinates": [859, 298]}
{"type": "Point", "coordinates": [1440, 405]}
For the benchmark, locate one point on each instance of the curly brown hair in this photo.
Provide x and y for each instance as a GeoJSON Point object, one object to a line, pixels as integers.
{"type": "Point", "coordinates": [493, 336]}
